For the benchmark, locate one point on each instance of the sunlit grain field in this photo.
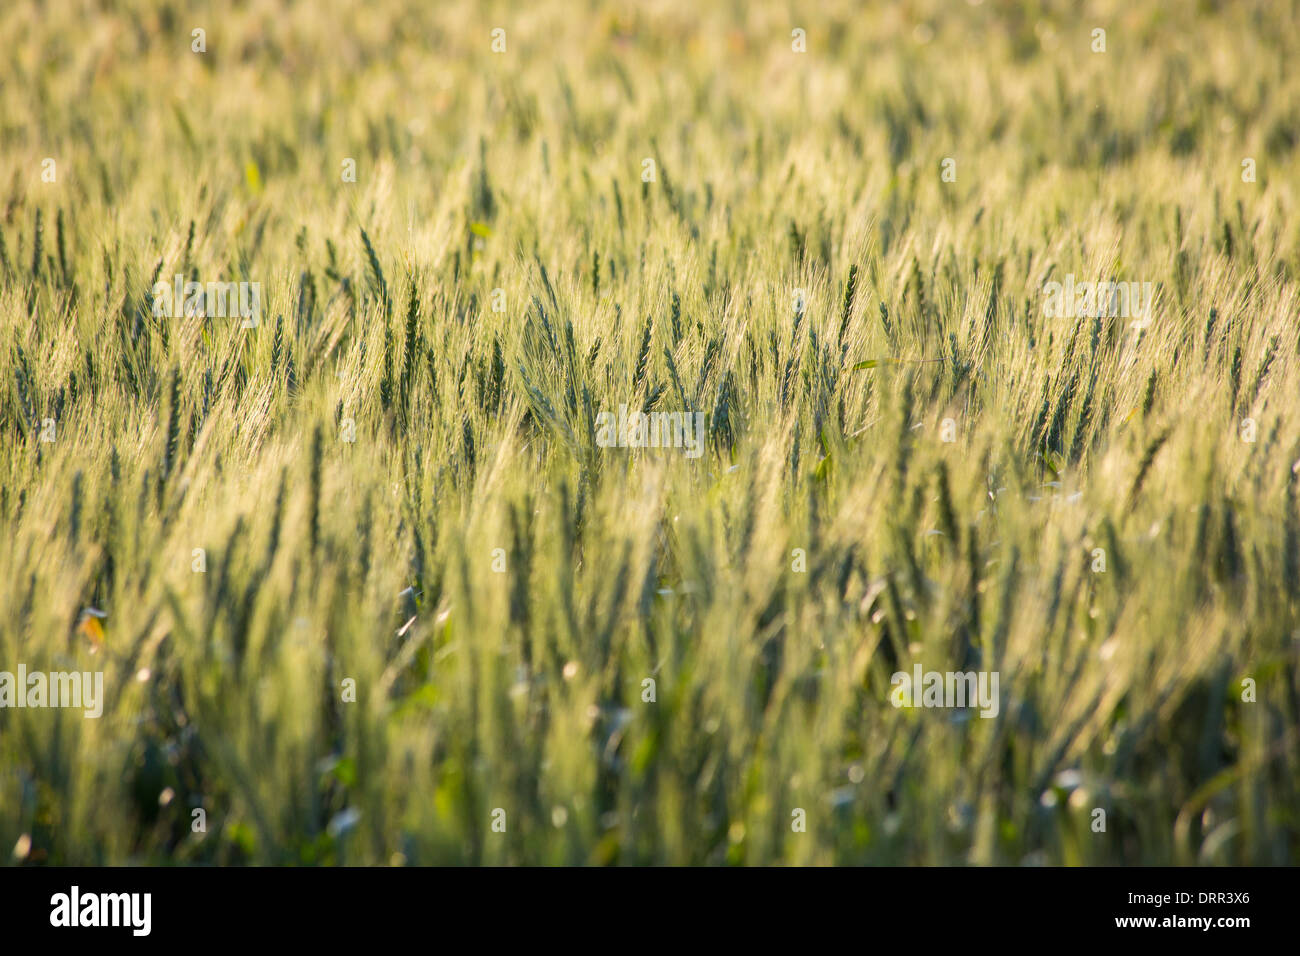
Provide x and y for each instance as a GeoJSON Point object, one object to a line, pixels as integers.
{"type": "Point", "coordinates": [383, 576]}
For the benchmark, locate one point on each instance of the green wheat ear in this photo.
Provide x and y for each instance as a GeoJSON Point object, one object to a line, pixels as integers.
{"type": "Point", "coordinates": [378, 284]}
{"type": "Point", "coordinates": [171, 446]}
{"type": "Point", "coordinates": [38, 236]}
{"type": "Point", "coordinates": [643, 355]}
{"type": "Point", "coordinates": [314, 489]}
{"type": "Point", "coordinates": [411, 345]}
{"type": "Point", "coordinates": [277, 346]}
{"type": "Point", "coordinates": [846, 310]}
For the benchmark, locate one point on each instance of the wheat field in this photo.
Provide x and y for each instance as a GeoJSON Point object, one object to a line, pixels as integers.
{"type": "Point", "coordinates": [366, 584]}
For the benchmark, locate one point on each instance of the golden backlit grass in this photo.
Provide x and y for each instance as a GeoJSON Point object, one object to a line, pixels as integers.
{"type": "Point", "coordinates": [525, 689]}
